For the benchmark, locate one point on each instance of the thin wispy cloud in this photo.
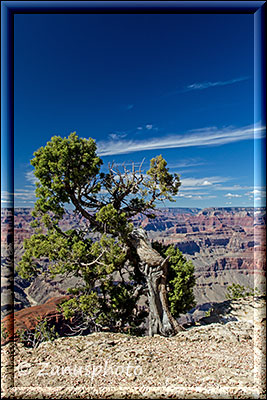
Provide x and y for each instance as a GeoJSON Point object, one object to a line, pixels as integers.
{"type": "Point", "coordinates": [7, 197]}
{"type": "Point", "coordinates": [126, 107]}
{"type": "Point", "coordinates": [117, 135]}
{"type": "Point", "coordinates": [207, 85]}
{"type": "Point", "coordinates": [29, 175]}
{"type": "Point", "coordinates": [261, 192]}
{"type": "Point", "coordinates": [196, 197]}
{"type": "Point", "coordinates": [188, 163]}
{"type": "Point", "coordinates": [231, 195]}
{"type": "Point", "coordinates": [234, 187]}
{"type": "Point", "coordinates": [196, 183]}
{"type": "Point", "coordinates": [200, 188]}
{"type": "Point", "coordinates": [19, 194]}
{"type": "Point", "coordinates": [210, 136]}
{"type": "Point", "coordinates": [130, 164]}
{"type": "Point", "coordinates": [146, 127]}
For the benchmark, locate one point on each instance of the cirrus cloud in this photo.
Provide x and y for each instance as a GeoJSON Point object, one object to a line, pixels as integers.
{"type": "Point", "coordinates": [210, 136]}
{"type": "Point", "coordinates": [207, 85]}
{"type": "Point", "coordinates": [231, 195]}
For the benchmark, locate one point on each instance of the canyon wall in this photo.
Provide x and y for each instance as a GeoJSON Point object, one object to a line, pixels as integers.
{"type": "Point", "coordinates": [226, 245]}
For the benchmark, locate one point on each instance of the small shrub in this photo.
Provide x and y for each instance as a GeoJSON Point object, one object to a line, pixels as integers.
{"type": "Point", "coordinates": [208, 312]}
{"type": "Point", "coordinates": [4, 333]}
{"type": "Point", "coordinates": [43, 332]}
{"type": "Point", "coordinates": [237, 291]}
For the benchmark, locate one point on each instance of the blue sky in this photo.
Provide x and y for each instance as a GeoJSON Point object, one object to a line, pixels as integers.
{"type": "Point", "coordinates": [142, 85]}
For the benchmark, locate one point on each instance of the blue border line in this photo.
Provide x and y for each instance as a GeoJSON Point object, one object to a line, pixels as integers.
{"type": "Point", "coordinates": [9, 8]}
{"type": "Point", "coordinates": [7, 95]}
{"type": "Point", "coordinates": [7, 151]}
{"type": "Point", "coordinates": [260, 99]}
{"type": "Point", "coordinates": [135, 6]}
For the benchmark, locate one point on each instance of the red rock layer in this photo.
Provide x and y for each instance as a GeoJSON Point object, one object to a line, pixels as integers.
{"type": "Point", "coordinates": [28, 318]}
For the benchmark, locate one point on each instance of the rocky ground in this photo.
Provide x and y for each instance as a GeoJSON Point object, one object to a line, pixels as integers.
{"type": "Point", "coordinates": [223, 359]}
{"type": "Point", "coordinates": [222, 355]}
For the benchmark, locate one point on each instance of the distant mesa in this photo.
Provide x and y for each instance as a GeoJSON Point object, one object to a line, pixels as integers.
{"type": "Point", "coordinates": [226, 245]}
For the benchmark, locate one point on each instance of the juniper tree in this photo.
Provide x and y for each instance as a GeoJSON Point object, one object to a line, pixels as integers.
{"type": "Point", "coordinates": [115, 260]}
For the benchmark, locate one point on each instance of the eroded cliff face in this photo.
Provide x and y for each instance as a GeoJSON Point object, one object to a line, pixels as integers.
{"type": "Point", "coordinates": [14, 229]}
{"type": "Point", "coordinates": [226, 245]}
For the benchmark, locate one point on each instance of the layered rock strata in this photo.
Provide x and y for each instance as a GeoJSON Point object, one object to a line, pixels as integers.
{"type": "Point", "coordinates": [226, 245]}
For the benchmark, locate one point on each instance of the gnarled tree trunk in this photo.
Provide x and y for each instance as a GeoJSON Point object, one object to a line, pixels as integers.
{"type": "Point", "coordinates": [154, 268]}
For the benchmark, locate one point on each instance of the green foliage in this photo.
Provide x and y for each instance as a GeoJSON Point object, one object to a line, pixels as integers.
{"type": "Point", "coordinates": [162, 180]}
{"type": "Point", "coordinates": [237, 291]}
{"type": "Point", "coordinates": [4, 332]}
{"type": "Point", "coordinates": [208, 312]}
{"type": "Point", "coordinates": [87, 303]}
{"type": "Point", "coordinates": [68, 172]}
{"type": "Point", "coordinates": [43, 332]}
{"type": "Point", "coordinates": [180, 280]}
{"type": "Point", "coordinates": [62, 167]}
{"type": "Point", "coordinates": [114, 222]}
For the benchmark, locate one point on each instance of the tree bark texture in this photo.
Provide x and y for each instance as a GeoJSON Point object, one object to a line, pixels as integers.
{"type": "Point", "coordinates": [154, 267]}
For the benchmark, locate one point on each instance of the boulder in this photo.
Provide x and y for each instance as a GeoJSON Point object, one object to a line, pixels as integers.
{"type": "Point", "coordinates": [28, 318]}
